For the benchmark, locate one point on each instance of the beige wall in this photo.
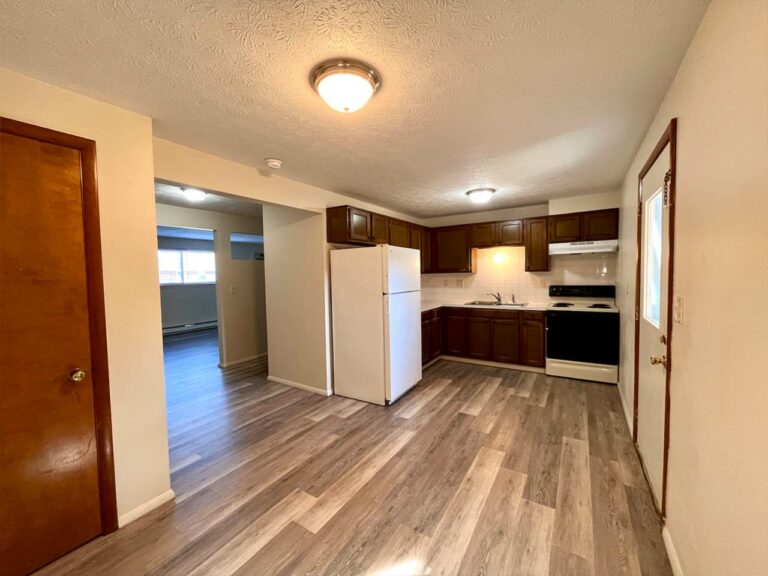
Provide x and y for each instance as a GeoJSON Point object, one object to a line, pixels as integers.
{"type": "Point", "coordinates": [488, 215]}
{"type": "Point", "coordinates": [132, 296]}
{"type": "Point", "coordinates": [296, 269]}
{"type": "Point", "coordinates": [242, 313]}
{"type": "Point", "coordinates": [718, 460]}
{"type": "Point", "coordinates": [298, 324]}
{"type": "Point", "coordinates": [177, 163]}
{"type": "Point", "coordinates": [586, 202]}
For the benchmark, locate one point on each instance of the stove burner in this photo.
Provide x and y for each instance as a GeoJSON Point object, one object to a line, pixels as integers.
{"type": "Point", "coordinates": [562, 305]}
{"type": "Point", "coordinates": [601, 306]}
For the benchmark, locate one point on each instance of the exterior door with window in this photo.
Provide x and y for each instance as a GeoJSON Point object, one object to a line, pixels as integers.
{"type": "Point", "coordinates": [654, 274]}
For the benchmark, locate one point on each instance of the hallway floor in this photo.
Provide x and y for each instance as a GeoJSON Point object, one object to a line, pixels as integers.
{"type": "Point", "coordinates": [476, 471]}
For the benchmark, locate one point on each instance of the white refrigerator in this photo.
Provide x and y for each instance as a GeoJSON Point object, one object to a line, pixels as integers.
{"type": "Point", "coordinates": [376, 308]}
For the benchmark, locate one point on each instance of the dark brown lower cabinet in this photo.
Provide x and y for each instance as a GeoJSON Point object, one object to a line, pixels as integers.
{"type": "Point", "coordinates": [431, 335]}
{"type": "Point", "coordinates": [506, 341]}
{"type": "Point", "coordinates": [508, 336]}
{"type": "Point", "coordinates": [454, 331]}
{"type": "Point", "coordinates": [479, 336]}
{"type": "Point", "coordinates": [435, 336]}
{"type": "Point", "coordinates": [532, 338]}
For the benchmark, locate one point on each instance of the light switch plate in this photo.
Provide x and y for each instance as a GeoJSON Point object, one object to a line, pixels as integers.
{"type": "Point", "coordinates": [677, 310]}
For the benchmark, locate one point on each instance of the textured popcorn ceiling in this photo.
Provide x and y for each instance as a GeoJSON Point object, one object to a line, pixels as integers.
{"type": "Point", "coordinates": [538, 98]}
{"type": "Point", "coordinates": [171, 194]}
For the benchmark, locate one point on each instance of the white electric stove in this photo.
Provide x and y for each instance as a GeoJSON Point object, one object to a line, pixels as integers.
{"type": "Point", "coordinates": [583, 333]}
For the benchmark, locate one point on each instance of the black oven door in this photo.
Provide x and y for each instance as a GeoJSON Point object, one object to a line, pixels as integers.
{"type": "Point", "coordinates": [583, 337]}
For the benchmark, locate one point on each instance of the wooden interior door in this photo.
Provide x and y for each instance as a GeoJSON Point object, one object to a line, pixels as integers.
{"type": "Point", "coordinates": [56, 481]}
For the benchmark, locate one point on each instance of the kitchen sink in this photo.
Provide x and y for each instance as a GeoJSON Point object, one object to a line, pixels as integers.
{"type": "Point", "coordinates": [494, 303]}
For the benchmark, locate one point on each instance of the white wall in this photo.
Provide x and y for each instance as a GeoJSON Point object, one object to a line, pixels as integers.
{"type": "Point", "coordinates": [717, 499]}
{"type": "Point", "coordinates": [239, 283]}
{"type": "Point", "coordinates": [295, 255]}
{"type": "Point", "coordinates": [502, 270]}
{"type": "Point", "coordinates": [131, 292]}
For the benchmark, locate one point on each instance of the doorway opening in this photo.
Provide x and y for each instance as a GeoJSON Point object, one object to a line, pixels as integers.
{"type": "Point", "coordinates": [211, 262]}
{"type": "Point", "coordinates": [654, 313]}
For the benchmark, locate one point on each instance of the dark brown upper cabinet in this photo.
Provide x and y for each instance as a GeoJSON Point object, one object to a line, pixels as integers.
{"type": "Point", "coordinates": [484, 234]}
{"type": "Point", "coordinates": [379, 228]}
{"type": "Point", "coordinates": [426, 251]}
{"type": "Point", "coordinates": [349, 225]}
{"type": "Point", "coordinates": [451, 250]}
{"type": "Point", "coordinates": [399, 233]}
{"type": "Point", "coordinates": [600, 225]}
{"type": "Point", "coordinates": [415, 242]}
{"type": "Point", "coordinates": [583, 226]}
{"type": "Point", "coordinates": [511, 233]}
{"type": "Point", "coordinates": [536, 245]}
{"type": "Point", "coordinates": [565, 228]}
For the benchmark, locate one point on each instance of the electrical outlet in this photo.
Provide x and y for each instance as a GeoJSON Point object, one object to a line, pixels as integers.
{"type": "Point", "coordinates": [460, 283]}
{"type": "Point", "coordinates": [232, 289]}
{"type": "Point", "coordinates": [677, 310]}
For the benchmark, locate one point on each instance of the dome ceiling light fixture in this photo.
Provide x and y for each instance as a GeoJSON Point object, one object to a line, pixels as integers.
{"type": "Point", "coordinates": [193, 194]}
{"type": "Point", "coordinates": [481, 195]}
{"type": "Point", "coordinates": [346, 85]}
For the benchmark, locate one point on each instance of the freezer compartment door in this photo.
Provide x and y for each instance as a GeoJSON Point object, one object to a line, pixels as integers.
{"type": "Point", "coordinates": [402, 269]}
{"type": "Point", "coordinates": [402, 323]}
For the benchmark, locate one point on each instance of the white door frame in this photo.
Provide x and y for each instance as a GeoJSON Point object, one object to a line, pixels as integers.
{"type": "Point", "coordinates": [669, 138]}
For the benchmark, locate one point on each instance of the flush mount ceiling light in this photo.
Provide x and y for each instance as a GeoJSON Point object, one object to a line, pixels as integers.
{"type": "Point", "coordinates": [345, 85]}
{"type": "Point", "coordinates": [193, 194]}
{"type": "Point", "coordinates": [481, 195]}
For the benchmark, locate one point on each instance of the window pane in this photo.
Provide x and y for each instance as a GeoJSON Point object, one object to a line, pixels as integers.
{"type": "Point", "coordinates": [652, 250]}
{"type": "Point", "coordinates": [199, 267]}
{"type": "Point", "coordinates": [169, 262]}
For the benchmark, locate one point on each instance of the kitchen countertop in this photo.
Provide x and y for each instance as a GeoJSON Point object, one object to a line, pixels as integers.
{"type": "Point", "coordinates": [427, 305]}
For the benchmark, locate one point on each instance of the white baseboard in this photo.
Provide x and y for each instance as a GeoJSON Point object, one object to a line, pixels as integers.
{"type": "Point", "coordinates": [148, 506]}
{"type": "Point", "coordinates": [674, 559]}
{"type": "Point", "coordinates": [299, 386]}
{"type": "Point", "coordinates": [242, 360]}
{"type": "Point", "coordinates": [490, 363]}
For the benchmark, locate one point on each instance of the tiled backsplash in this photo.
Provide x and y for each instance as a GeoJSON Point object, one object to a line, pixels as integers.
{"type": "Point", "coordinates": [503, 270]}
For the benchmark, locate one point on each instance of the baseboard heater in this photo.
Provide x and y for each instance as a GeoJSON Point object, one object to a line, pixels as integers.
{"type": "Point", "coordinates": [189, 327]}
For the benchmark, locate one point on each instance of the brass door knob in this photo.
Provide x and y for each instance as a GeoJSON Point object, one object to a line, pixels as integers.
{"type": "Point", "coordinates": [77, 375]}
{"type": "Point", "coordinates": [659, 360]}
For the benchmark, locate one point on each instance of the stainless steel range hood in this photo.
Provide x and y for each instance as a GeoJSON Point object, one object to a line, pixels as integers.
{"type": "Point", "coordinates": [590, 247]}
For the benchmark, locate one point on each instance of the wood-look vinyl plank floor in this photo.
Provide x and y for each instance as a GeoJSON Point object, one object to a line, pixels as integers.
{"type": "Point", "coordinates": [479, 470]}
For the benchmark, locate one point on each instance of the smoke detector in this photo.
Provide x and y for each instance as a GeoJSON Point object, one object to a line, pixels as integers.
{"type": "Point", "coordinates": [273, 163]}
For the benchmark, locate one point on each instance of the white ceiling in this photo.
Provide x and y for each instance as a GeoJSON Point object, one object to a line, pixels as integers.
{"type": "Point", "coordinates": [172, 194]}
{"type": "Point", "coordinates": [538, 98]}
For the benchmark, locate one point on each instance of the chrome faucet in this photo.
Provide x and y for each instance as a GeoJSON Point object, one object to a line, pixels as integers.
{"type": "Point", "coordinates": [496, 295]}
{"type": "Point", "coordinates": [513, 299]}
